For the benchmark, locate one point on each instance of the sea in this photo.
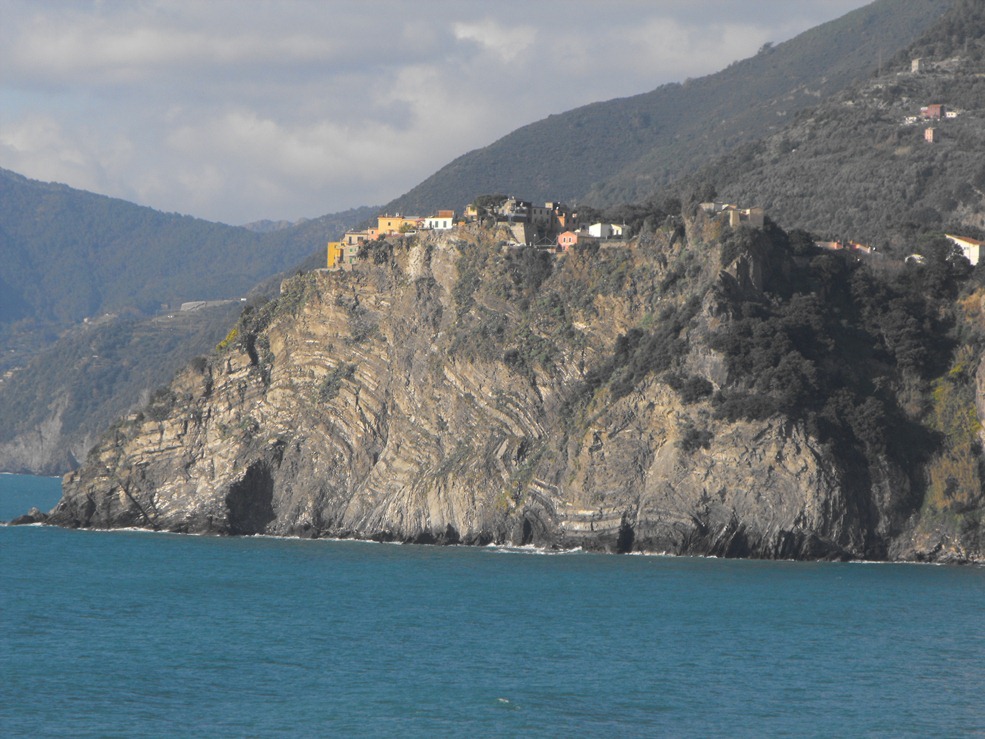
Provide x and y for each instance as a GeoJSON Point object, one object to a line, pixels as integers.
{"type": "Point", "coordinates": [135, 634]}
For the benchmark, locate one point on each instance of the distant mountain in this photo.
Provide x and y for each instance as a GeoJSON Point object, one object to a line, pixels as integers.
{"type": "Point", "coordinates": [90, 291]}
{"type": "Point", "coordinates": [860, 166]}
{"type": "Point", "coordinates": [625, 149]}
{"type": "Point", "coordinates": [267, 226]}
{"type": "Point", "coordinates": [71, 254]}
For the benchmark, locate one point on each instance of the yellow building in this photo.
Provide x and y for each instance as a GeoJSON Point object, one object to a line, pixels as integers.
{"type": "Point", "coordinates": [397, 224]}
{"type": "Point", "coordinates": [335, 250]}
{"type": "Point", "coordinates": [342, 254]}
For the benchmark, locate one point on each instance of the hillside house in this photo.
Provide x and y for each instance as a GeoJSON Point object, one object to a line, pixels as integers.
{"type": "Point", "coordinates": [334, 254]}
{"type": "Point", "coordinates": [971, 248]}
{"type": "Point", "coordinates": [736, 216]}
{"type": "Point", "coordinates": [342, 255]}
{"type": "Point", "coordinates": [443, 220]}
{"type": "Point", "coordinates": [541, 216]}
{"type": "Point", "coordinates": [931, 135]}
{"type": "Point", "coordinates": [607, 230]}
{"type": "Point", "coordinates": [571, 238]}
{"type": "Point", "coordinates": [754, 217]}
{"type": "Point", "coordinates": [397, 224]}
{"type": "Point", "coordinates": [935, 111]}
{"type": "Point", "coordinates": [561, 216]}
{"type": "Point", "coordinates": [354, 238]}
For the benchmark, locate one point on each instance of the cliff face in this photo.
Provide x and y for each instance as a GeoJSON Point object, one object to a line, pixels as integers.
{"type": "Point", "coordinates": [416, 398]}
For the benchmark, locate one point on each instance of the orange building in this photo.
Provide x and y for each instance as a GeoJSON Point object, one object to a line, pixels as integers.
{"type": "Point", "coordinates": [569, 238]}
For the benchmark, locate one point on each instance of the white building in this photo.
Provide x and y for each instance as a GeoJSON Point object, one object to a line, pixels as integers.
{"type": "Point", "coordinates": [971, 248]}
{"type": "Point", "coordinates": [607, 230]}
{"type": "Point", "coordinates": [443, 221]}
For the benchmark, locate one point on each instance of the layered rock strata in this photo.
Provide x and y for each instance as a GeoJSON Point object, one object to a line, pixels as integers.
{"type": "Point", "coordinates": [352, 410]}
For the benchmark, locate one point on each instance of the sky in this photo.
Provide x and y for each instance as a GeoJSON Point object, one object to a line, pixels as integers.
{"type": "Point", "coordinates": [282, 109]}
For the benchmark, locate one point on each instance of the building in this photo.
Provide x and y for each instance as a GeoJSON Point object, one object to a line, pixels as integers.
{"type": "Point", "coordinates": [571, 238]}
{"type": "Point", "coordinates": [971, 248]}
{"type": "Point", "coordinates": [561, 216]}
{"type": "Point", "coordinates": [542, 216]}
{"type": "Point", "coordinates": [342, 255]}
{"type": "Point", "coordinates": [514, 211]}
{"type": "Point", "coordinates": [335, 251]}
{"type": "Point", "coordinates": [935, 112]}
{"type": "Point", "coordinates": [607, 230]}
{"type": "Point", "coordinates": [353, 238]}
{"type": "Point", "coordinates": [397, 224]}
{"type": "Point", "coordinates": [443, 220]}
{"type": "Point", "coordinates": [754, 217]}
{"type": "Point", "coordinates": [931, 136]}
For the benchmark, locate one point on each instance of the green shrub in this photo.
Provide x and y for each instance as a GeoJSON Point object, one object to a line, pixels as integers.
{"type": "Point", "coordinates": [330, 386]}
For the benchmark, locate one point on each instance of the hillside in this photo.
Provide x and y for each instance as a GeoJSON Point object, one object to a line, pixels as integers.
{"type": "Point", "coordinates": [623, 150]}
{"type": "Point", "coordinates": [699, 391]}
{"type": "Point", "coordinates": [859, 166]}
{"type": "Point", "coordinates": [71, 256]}
{"type": "Point", "coordinates": [56, 406]}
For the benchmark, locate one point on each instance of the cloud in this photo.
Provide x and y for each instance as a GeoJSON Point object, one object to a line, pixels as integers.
{"type": "Point", "coordinates": [39, 145]}
{"type": "Point", "coordinates": [506, 40]}
{"type": "Point", "coordinates": [238, 111]}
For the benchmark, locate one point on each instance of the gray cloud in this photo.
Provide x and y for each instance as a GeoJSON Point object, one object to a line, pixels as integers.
{"type": "Point", "coordinates": [236, 111]}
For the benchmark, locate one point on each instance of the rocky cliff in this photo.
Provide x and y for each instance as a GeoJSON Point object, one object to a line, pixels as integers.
{"type": "Point", "coordinates": [451, 389]}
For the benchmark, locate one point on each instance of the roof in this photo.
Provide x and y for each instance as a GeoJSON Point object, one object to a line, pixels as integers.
{"type": "Point", "coordinates": [966, 240]}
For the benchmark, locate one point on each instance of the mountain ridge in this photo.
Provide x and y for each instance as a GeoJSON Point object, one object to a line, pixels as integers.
{"type": "Point", "coordinates": [594, 154]}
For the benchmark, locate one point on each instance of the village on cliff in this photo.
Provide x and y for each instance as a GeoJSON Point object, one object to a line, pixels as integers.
{"type": "Point", "coordinates": [557, 228]}
{"type": "Point", "coordinates": [553, 226]}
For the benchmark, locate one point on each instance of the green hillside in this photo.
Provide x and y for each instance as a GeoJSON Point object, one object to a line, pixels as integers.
{"type": "Point", "coordinates": [859, 165]}
{"type": "Point", "coordinates": [625, 149]}
{"type": "Point", "coordinates": [69, 254]}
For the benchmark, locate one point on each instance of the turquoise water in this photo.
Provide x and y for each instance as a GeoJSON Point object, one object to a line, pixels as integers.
{"type": "Point", "coordinates": [137, 634]}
